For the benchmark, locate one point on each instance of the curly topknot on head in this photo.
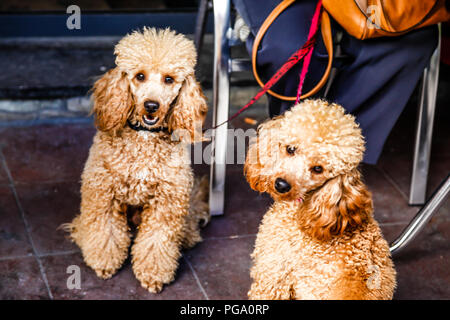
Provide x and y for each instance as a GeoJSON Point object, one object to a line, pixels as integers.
{"type": "Point", "coordinates": [326, 126]}
{"type": "Point", "coordinates": [156, 47]}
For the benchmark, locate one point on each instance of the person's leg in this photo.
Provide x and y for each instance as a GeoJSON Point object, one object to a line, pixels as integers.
{"type": "Point", "coordinates": [377, 83]}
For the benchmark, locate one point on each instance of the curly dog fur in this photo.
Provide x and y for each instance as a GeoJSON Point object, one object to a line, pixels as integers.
{"type": "Point", "coordinates": [319, 239]}
{"type": "Point", "coordinates": [135, 161]}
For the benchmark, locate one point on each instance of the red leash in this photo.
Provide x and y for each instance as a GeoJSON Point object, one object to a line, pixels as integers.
{"type": "Point", "coordinates": [305, 51]}
{"type": "Point", "coordinates": [311, 35]}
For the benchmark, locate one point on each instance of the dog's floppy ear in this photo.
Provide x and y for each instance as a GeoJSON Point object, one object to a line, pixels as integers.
{"type": "Point", "coordinates": [253, 168]}
{"type": "Point", "coordinates": [189, 110]}
{"type": "Point", "coordinates": [112, 101]}
{"type": "Point", "coordinates": [341, 203]}
{"type": "Point", "coordinates": [262, 155]}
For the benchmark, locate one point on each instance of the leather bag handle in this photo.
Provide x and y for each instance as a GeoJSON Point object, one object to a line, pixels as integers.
{"type": "Point", "coordinates": [327, 39]}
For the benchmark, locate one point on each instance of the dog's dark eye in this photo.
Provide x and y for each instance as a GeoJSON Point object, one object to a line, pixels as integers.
{"type": "Point", "coordinates": [140, 76]}
{"type": "Point", "coordinates": [291, 150]}
{"type": "Point", "coordinates": [168, 80]}
{"type": "Point", "coordinates": [317, 169]}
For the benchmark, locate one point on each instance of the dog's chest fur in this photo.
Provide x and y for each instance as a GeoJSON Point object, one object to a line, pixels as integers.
{"type": "Point", "coordinates": [140, 163]}
{"type": "Point", "coordinates": [311, 266]}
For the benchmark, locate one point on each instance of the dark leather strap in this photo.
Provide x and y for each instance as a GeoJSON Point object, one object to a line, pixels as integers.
{"type": "Point", "coordinates": [138, 127]}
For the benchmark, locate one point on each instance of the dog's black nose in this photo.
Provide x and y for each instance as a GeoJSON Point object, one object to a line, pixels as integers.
{"type": "Point", "coordinates": [151, 106]}
{"type": "Point", "coordinates": [282, 186]}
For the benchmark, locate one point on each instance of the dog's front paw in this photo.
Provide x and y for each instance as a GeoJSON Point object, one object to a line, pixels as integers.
{"type": "Point", "coordinates": [152, 286]}
{"type": "Point", "coordinates": [150, 280]}
{"type": "Point", "coordinates": [105, 273]}
{"type": "Point", "coordinates": [152, 265]}
{"type": "Point", "coordinates": [106, 265]}
{"type": "Point", "coordinates": [152, 276]}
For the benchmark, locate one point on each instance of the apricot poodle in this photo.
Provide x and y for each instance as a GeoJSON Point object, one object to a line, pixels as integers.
{"type": "Point", "coordinates": [136, 163]}
{"type": "Point", "coordinates": [319, 239]}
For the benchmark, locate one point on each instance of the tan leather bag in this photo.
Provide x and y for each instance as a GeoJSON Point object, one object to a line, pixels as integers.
{"type": "Point", "coordinates": [362, 19]}
{"type": "Point", "coordinates": [366, 19]}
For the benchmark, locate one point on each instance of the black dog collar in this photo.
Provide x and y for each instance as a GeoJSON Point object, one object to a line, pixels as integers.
{"type": "Point", "coordinates": [138, 127]}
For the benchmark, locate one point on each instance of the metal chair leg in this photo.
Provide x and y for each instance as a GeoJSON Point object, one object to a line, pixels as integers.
{"type": "Point", "coordinates": [202, 16]}
{"type": "Point", "coordinates": [221, 84]}
{"type": "Point", "coordinates": [424, 131]}
{"type": "Point", "coordinates": [422, 217]}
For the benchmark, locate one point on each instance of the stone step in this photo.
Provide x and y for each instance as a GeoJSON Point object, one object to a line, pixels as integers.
{"type": "Point", "coordinates": [19, 112]}
{"type": "Point", "coordinates": [51, 68]}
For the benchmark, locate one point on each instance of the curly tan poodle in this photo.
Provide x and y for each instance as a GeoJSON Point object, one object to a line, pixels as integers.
{"type": "Point", "coordinates": [136, 163]}
{"type": "Point", "coordinates": [319, 240]}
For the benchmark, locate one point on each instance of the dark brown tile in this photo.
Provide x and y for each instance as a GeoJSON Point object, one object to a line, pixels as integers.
{"type": "Point", "coordinates": [20, 279]}
{"type": "Point", "coordinates": [47, 153]}
{"type": "Point", "coordinates": [423, 271]}
{"type": "Point", "coordinates": [46, 207]}
{"type": "Point", "coordinates": [399, 168]}
{"type": "Point", "coordinates": [423, 278]}
{"type": "Point", "coordinates": [391, 231]}
{"type": "Point", "coordinates": [13, 237]}
{"type": "Point", "coordinates": [3, 176]}
{"type": "Point", "coordinates": [423, 266]}
{"type": "Point", "coordinates": [223, 266]}
{"type": "Point", "coordinates": [439, 169]}
{"type": "Point", "coordinates": [244, 209]}
{"type": "Point", "coordinates": [389, 204]}
{"type": "Point", "coordinates": [123, 285]}
{"type": "Point", "coordinates": [397, 157]}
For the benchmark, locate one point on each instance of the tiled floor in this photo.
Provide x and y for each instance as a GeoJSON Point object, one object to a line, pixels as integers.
{"type": "Point", "coordinates": [40, 170]}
